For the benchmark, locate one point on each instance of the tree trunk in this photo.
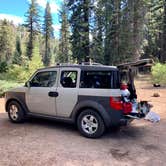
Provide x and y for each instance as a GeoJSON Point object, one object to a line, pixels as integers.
{"type": "Point", "coordinates": [86, 30]}
{"type": "Point", "coordinates": [163, 54]}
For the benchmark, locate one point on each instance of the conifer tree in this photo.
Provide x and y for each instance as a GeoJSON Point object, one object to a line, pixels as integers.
{"type": "Point", "coordinates": [79, 20]}
{"type": "Point", "coordinates": [97, 49]}
{"type": "Point", "coordinates": [6, 41]}
{"type": "Point", "coordinates": [33, 26]}
{"type": "Point", "coordinates": [48, 35]}
{"type": "Point", "coordinates": [17, 59]}
{"type": "Point", "coordinates": [64, 43]}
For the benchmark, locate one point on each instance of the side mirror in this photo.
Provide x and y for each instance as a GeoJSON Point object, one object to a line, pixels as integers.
{"type": "Point", "coordinates": [28, 84]}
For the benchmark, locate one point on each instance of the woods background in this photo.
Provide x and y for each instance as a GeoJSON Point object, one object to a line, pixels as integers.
{"type": "Point", "coordinates": [103, 31]}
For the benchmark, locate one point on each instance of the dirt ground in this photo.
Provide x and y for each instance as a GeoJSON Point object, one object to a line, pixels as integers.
{"type": "Point", "coordinates": [39, 142]}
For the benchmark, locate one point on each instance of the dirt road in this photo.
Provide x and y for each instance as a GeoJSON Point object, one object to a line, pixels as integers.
{"type": "Point", "coordinates": [39, 142]}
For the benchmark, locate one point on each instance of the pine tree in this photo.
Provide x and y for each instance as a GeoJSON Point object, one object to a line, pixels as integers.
{"type": "Point", "coordinates": [152, 45]}
{"type": "Point", "coordinates": [64, 44]}
{"type": "Point", "coordinates": [17, 59]}
{"type": "Point", "coordinates": [36, 61]}
{"type": "Point", "coordinates": [6, 41]}
{"type": "Point", "coordinates": [137, 26]}
{"type": "Point", "coordinates": [97, 49]}
{"type": "Point", "coordinates": [86, 29]}
{"type": "Point", "coordinates": [109, 32]}
{"type": "Point", "coordinates": [126, 31]}
{"type": "Point", "coordinates": [32, 25]}
{"type": "Point", "coordinates": [48, 35]}
{"type": "Point", "coordinates": [79, 21]}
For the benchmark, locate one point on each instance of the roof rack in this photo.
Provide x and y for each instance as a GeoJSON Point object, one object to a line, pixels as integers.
{"type": "Point", "coordinates": [65, 64]}
{"type": "Point", "coordinates": [81, 63]}
{"type": "Point", "coordinates": [90, 63]}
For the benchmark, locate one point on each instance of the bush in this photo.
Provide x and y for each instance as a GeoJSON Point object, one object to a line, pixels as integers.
{"type": "Point", "coordinates": [15, 73]}
{"type": "Point", "coordinates": [159, 73]}
{"type": "Point", "coordinates": [20, 74]}
{"type": "Point", "coordinates": [6, 85]}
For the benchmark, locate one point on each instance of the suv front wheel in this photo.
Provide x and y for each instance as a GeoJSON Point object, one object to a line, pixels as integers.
{"type": "Point", "coordinates": [15, 112]}
{"type": "Point", "coordinates": [90, 124]}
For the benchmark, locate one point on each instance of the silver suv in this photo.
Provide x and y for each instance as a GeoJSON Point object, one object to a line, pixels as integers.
{"type": "Point", "coordinates": [79, 94]}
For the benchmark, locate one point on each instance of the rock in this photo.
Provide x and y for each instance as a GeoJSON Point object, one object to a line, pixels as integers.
{"type": "Point", "coordinates": [156, 95]}
{"type": "Point", "coordinates": [156, 85]}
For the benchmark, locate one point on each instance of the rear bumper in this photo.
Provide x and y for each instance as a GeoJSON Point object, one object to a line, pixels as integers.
{"type": "Point", "coordinates": [117, 118]}
{"type": "Point", "coordinates": [128, 119]}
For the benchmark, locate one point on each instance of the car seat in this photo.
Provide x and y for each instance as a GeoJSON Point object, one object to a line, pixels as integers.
{"type": "Point", "coordinates": [67, 82]}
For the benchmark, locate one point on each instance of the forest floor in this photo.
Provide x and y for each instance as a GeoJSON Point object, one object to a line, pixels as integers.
{"type": "Point", "coordinates": [39, 142]}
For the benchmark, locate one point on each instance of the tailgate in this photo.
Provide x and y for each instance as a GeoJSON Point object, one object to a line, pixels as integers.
{"type": "Point", "coordinates": [143, 107]}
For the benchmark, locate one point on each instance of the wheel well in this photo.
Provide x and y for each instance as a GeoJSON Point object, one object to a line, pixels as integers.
{"type": "Point", "coordinates": [84, 108]}
{"type": "Point", "coordinates": [10, 100]}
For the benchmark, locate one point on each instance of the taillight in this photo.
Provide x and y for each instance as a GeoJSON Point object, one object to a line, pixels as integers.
{"type": "Point", "coordinates": [127, 108]}
{"type": "Point", "coordinates": [116, 103]}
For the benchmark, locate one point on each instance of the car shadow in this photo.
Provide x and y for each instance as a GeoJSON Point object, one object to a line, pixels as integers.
{"type": "Point", "coordinates": [127, 132]}
{"type": "Point", "coordinates": [51, 124]}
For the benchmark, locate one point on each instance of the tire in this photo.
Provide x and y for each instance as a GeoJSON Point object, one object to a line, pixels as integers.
{"type": "Point", "coordinates": [15, 112]}
{"type": "Point", "coordinates": [90, 124]}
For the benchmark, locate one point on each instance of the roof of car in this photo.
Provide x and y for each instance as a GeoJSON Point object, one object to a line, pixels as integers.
{"type": "Point", "coordinates": [84, 67]}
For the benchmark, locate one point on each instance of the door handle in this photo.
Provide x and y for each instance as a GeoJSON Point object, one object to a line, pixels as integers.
{"type": "Point", "coordinates": [53, 94]}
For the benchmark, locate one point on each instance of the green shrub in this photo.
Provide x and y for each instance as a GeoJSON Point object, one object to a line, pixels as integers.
{"type": "Point", "coordinates": [6, 85]}
{"type": "Point", "coordinates": [34, 64]}
{"type": "Point", "coordinates": [15, 73]}
{"type": "Point", "coordinates": [19, 74]}
{"type": "Point", "coordinates": [159, 73]}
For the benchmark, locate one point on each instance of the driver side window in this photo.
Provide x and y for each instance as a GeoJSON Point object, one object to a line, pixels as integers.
{"type": "Point", "coordinates": [44, 79]}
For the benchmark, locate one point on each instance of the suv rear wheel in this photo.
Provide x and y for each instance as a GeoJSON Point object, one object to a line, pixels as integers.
{"type": "Point", "coordinates": [15, 112]}
{"type": "Point", "coordinates": [90, 124]}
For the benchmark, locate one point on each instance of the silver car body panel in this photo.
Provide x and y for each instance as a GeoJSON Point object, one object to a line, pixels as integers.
{"type": "Point", "coordinates": [68, 97]}
{"type": "Point", "coordinates": [69, 101]}
{"type": "Point", "coordinates": [37, 99]}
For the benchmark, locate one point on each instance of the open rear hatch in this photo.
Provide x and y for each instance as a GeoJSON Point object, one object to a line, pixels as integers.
{"type": "Point", "coordinates": [131, 107]}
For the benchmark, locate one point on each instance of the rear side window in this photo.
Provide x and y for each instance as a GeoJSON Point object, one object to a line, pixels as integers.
{"type": "Point", "coordinates": [100, 79]}
{"type": "Point", "coordinates": [68, 79]}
